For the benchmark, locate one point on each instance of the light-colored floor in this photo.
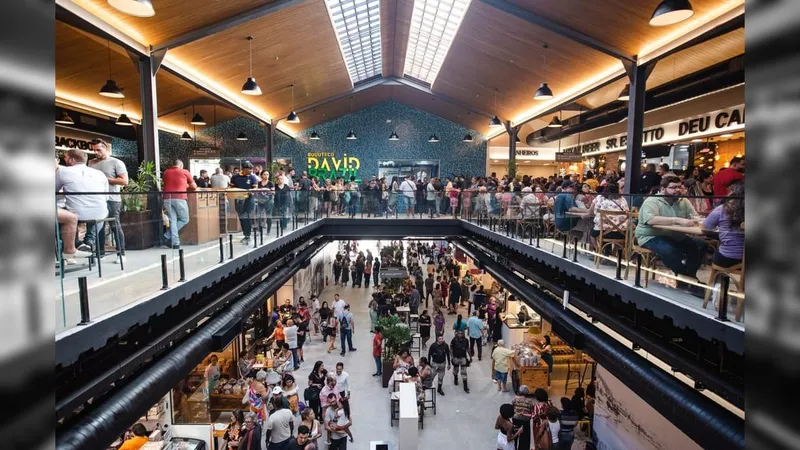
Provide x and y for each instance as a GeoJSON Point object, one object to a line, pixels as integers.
{"type": "Point", "coordinates": [463, 421]}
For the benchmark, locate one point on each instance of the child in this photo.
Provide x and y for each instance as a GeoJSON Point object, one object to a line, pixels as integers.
{"type": "Point", "coordinates": [438, 322]}
{"type": "Point", "coordinates": [343, 416]}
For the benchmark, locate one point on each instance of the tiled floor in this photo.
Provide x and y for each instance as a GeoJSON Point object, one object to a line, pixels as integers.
{"type": "Point", "coordinates": [463, 421]}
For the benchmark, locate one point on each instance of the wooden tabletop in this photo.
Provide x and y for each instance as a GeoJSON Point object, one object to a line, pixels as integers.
{"type": "Point", "coordinates": [403, 309]}
{"type": "Point", "coordinates": [697, 231]}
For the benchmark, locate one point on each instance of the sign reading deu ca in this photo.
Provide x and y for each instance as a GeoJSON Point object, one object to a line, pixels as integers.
{"type": "Point", "coordinates": [325, 165]}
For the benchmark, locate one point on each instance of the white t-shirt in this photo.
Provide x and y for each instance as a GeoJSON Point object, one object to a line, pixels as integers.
{"type": "Point", "coordinates": [408, 188]}
{"type": "Point", "coordinates": [332, 417]}
{"type": "Point", "coordinates": [338, 308]}
{"type": "Point", "coordinates": [315, 306]}
{"type": "Point", "coordinates": [220, 181]}
{"type": "Point", "coordinates": [290, 333]}
{"type": "Point", "coordinates": [80, 178]}
{"type": "Point", "coordinates": [555, 427]}
{"type": "Point", "coordinates": [280, 423]}
{"type": "Point", "coordinates": [343, 382]}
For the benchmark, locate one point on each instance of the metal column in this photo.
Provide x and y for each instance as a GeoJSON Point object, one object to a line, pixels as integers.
{"type": "Point", "coordinates": [512, 145]}
{"type": "Point", "coordinates": [148, 67]}
{"type": "Point", "coordinates": [270, 141]}
{"type": "Point", "coordinates": [633, 153]}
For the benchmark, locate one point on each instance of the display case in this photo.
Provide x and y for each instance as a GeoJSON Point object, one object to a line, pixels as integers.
{"type": "Point", "coordinates": [519, 321]}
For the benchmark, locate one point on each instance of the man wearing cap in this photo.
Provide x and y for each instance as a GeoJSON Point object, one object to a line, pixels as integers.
{"type": "Point", "coordinates": [245, 207]}
{"type": "Point", "coordinates": [564, 203]}
{"type": "Point", "coordinates": [277, 401]}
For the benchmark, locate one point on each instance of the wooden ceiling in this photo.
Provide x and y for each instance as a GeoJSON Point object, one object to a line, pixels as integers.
{"type": "Point", "coordinates": [173, 17]}
{"type": "Point", "coordinates": [492, 52]}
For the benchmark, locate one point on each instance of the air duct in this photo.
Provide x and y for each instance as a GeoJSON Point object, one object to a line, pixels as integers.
{"type": "Point", "coordinates": [704, 421]}
{"type": "Point", "coordinates": [107, 420]}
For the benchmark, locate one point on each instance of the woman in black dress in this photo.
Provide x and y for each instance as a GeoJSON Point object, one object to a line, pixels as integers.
{"type": "Point", "coordinates": [324, 314]}
{"type": "Point", "coordinates": [316, 381]}
{"type": "Point", "coordinates": [337, 270]}
{"type": "Point", "coordinates": [424, 321]}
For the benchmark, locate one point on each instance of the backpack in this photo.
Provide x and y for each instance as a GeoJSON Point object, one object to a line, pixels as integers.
{"type": "Point", "coordinates": [343, 324]}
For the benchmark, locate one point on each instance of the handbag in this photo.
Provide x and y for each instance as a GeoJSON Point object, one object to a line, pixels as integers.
{"type": "Point", "coordinates": [544, 441]}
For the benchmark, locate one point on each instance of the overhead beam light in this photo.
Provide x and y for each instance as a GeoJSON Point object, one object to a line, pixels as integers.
{"type": "Point", "coordinates": [434, 25]}
{"type": "Point", "coordinates": [136, 8]}
{"type": "Point", "coordinates": [65, 119]}
{"type": "Point", "coordinates": [357, 24]}
{"type": "Point", "coordinates": [314, 136]}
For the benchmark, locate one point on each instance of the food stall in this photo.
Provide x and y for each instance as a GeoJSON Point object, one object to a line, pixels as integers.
{"type": "Point", "coordinates": [529, 369]}
{"type": "Point", "coordinates": [519, 321]}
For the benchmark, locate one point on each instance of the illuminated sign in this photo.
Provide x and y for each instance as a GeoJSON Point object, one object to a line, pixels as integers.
{"type": "Point", "coordinates": [325, 165]}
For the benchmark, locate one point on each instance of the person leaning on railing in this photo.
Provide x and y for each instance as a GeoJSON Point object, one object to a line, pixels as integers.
{"type": "Point", "coordinates": [681, 253]}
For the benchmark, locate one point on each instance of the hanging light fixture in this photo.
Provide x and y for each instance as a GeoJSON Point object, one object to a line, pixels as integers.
{"type": "Point", "coordinates": [250, 86]}
{"type": "Point", "coordinates": [495, 122]}
{"type": "Point", "coordinates": [467, 138]}
{"type": "Point", "coordinates": [351, 136]}
{"type": "Point", "coordinates": [625, 93]}
{"type": "Point", "coordinates": [65, 119]}
{"type": "Point", "coordinates": [555, 123]}
{"type": "Point", "coordinates": [433, 138]}
{"type": "Point", "coordinates": [314, 136]}
{"type": "Point", "coordinates": [292, 117]}
{"type": "Point", "coordinates": [197, 119]}
{"type": "Point", "coordinates": [543, 93]}
{"type": "Point", "coordinates": [670, 12]}
{"type": "Point", "coordinates": [516, 138]}
{"type": "Point", "coordinates": [110, 89]}
{"type": "Point", "coordinates": [136, 8]}
{"type": "Point", "coordinates": [185, 136]}
{"type": "Point", "coordinates": [124, 121]}
{"type": "Point", "coordinates": [394, 136]}
{"type": "Point", "coordinates": [241, 136]}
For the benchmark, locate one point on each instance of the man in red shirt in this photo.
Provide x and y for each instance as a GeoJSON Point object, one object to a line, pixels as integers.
{"type": "Point", "coordinates": [725, 177]}
{"type": "Point", "coordinates": [177, 181]}
{"type": "Point", "coordinates": [377, 349]}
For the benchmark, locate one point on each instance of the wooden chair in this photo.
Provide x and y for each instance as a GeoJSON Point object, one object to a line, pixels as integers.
{"type": "Point", "coordinates": [612, 222]}
{"type": "Point", "coordinates": [737, 269]}
{"type": "Point", "coordinates": [649, 258]}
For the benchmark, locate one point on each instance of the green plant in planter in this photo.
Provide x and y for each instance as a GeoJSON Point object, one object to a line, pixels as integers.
{"type": "Point", "coordinates": [396, 335]}
{"type": "Point", "coordinates": [512, 168]}
{"type": "Point", "coordinates": [146, 179]}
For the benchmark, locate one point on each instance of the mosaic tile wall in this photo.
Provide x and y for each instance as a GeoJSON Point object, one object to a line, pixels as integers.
{"type": "Point", "coordinates": [413, 126]}
{"type": "Point", "coordinates": [372, 128]}
{"type": "Point", "coordinates": [127, 152]}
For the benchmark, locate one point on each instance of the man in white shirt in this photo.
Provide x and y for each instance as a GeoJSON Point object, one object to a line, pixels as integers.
{"type": "Point", "coordinates": [77, 178]}
{"type": "Point", "coordinates": [219, 180]}
{"type": "Point", "coordinates": [342, 381]}
{"type": "Point", "coordinates": [315, 312]}
{"type": "Point", "coordinates": [290, 332]}
{"type": "Point", "coordinates": [408, 188]}
{"type": "Point", "coordinates": [430, 190]}
{"type": "Point", "coordinates": [338, 305]}
{"type": "Point", "coordinates": [280, 426]}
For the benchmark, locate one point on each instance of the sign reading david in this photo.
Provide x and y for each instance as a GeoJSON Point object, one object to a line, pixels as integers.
{"type": "Point", "coordinates": [325, 165]}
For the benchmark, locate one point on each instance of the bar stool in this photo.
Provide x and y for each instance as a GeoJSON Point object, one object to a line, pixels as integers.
{"type": "Point", "coordinates": [573, 370]}
{"type": "Point", "coordinates": [430, 401]}
{"type": "Point", "coordinates": [416, 344]}
{"type": "Point", "coordinates": [394, 408]}
{"type": "Point", "coordinates": [96, 246]}
{"type": "Point", "coordinates": [413, 322]}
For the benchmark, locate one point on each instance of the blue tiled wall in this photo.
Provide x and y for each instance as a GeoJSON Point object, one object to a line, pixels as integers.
{"type": "Point", "coordinates": [412, 125]}
{"type": "Point", "coordinates": [127, 152]}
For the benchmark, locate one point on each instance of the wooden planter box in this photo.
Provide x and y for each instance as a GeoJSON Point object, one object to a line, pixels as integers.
{"type": "Point", "coordinates": [139, 229]}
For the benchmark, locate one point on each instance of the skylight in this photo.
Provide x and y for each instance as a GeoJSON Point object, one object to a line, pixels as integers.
{"type": "Point", "coordinates": [358, 30]}
{"type": "Point", "coordinates": [434, 25]}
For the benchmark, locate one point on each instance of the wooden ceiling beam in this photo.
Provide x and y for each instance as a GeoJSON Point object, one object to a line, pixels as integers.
{"type": "Point", "coordinates": [193, 102]}
{"type": "Point", "coordinates": [559, 29]}
{"type": "Point", "coordinates": [230, 22]}
{"type": "Point", "coordinates": [425, 89]}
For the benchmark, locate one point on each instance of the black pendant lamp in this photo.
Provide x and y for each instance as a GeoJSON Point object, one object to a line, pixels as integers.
{"type": "Point", "coordinates": [293, 117]}
{"type": "Point", "coordinates": [110, 89]}
{"type": "Point", "coordinates": [65, 119]}
{"type": "Point", "coordinates": [250, 86]}
{"type": "Point", "coordinates": [555, 123]}
{"type": "Point", "coordinates": [467, 138]}
{"type": "Point", "coordinates": [136, 8]}
{"type": "Point", "coordinates": [516, 138]}
{"type": "Point", "coordinates": [543, 93]}
{"type": "Point", "coordinates": [124, 121]}
{"type": "Point", "coordinates": [433, 138]}
{"type": "Point", "coordinates": [241, 136]}
{"type": "Point", "coordinates": [185, 136]}
{"type": "Point", "coordinates": [351, 136]}
{"type": "Point", "coordinates": [394, 136]}
{"type": "Point", "coordinates": [670, 12]}
{"type": "Point", "coordinates": [197, 119]}
{"type": "Point", "coordinates": [495, 122]}
{"type": "Point", "coordinates": [625, 93]}
{"type": "Point", "coordinates": [314, 136]}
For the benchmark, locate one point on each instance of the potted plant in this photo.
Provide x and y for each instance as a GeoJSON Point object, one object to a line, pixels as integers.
{"type": "Point", "coordinates": [396, 335]}
{"type": "Point", "coordinates": [136, 217]}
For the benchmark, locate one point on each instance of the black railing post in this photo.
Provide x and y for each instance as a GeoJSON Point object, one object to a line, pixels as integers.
{"type": "Point", "coordinates": [164, 279]}
{"type": "Point", "coordinates": [255, 237]}
{"type": "Point", "coordinates": [230, 246]}
{"type": "Point", "coordinates": [575, 251]}
{"type": "Point", "coordinates": [261, 232]}
{"type": "Point", "coordinates": [722, 314]}
{"type": "Point", "coordinates": [181, 266]}
{"type": "Point", "coordinates": [619, 264]}
{"type": "Point", "coordinates": [221, 250]}
{"type": "Point", "coordinates": [566, 239]}
{"type": "Point", "coordinates": [83, 296]}
{"type": "Point", "coordinates": [637, 282]}
{"type": "Point", "coordinates": [538, 232]}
